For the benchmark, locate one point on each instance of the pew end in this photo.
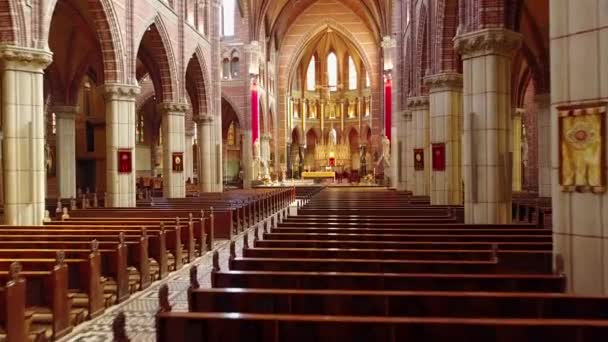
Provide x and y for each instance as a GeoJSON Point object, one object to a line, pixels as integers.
{"type": "Point", "coordinates": [119, 332]}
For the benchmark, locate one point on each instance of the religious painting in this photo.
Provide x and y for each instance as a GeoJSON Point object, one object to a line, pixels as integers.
{"type": "Point", "coordinates": [582, 153]}
{"type": "Point", "coordinates": [418, 159]}
{"type": "Point", "coordinates": [125, 161]}
{"type": "Point", "coordinates": [178, 161]}
{"type": "Point", "coordinates": [438, 157]}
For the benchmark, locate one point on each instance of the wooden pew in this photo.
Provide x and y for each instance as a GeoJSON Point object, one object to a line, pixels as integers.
{"type": "Point", "coordinates": [189, 326]}
{"type": "Point", "coordinates": [14, 321]}
{"type": "Point", "coordinates": [114, 258]}
{"type": "Point", "coordinates": [47, 292]}
{"type": "Point", "coordinates": [429, 245]}
{"type": "Point", "coordinates": [387, 281]}
{"type": "Point", "coordinates": [410, 237]}
{"type": "Point", "coordinates": [84, 277]}
{"type": "Point", "coordinates": [394, 303]}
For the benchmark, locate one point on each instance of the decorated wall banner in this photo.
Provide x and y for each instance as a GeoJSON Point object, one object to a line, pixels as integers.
{"type": "Point", "coordinates": [178, 161]}
{"type": "Point", "coordinates": [582, 146]}
{"type": "Point", "coordinates": [438, 157]}
{"type": "Point", "coordinates": [418, 159]}
{"type": "Point", "coordinates": [125, 161]}
{"type": "Point", "coordinates": [582, 160]}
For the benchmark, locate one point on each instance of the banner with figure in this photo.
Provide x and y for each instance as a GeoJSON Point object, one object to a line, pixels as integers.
{"type": "Point", "coordinates": [582, 148]}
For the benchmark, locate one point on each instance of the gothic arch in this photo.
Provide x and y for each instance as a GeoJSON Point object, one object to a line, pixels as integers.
{"type": "Point", "coordinates": [309, 36]}
{"type": "Point", "coordinates": [161, 52]}
{"type": "Point", "coordinates": [445, 58]}
{"type": "Point", "coordinates": [196, 85]}
{"type": "Point", "coordinates": [108, 34]}
{"type": "Point", "coordinates": [238, 113]}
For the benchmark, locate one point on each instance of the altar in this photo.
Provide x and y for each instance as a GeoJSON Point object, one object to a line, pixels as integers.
{"type": "Point", "coordinates": [319, 175]}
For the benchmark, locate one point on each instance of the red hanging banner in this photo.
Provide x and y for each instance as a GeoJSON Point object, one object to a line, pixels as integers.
{"type": "Point", "coordinates": [125, 164]}
{"type": "Point", "coordinates": [255, 125]}
{"type": "Point", "coordinates": [439, 157]}
{"type": "Point", "coordinates": [388, 107]}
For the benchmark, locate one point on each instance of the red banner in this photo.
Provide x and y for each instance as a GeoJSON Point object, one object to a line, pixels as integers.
{"type": "Point", "coordinates": [255, 125]}
{"type": "Point", "coordinates": [125, 164]}
{"type": "Point", "coordinates": [388, 107]}
{"type": "Point", "coordinates": [439, 157]}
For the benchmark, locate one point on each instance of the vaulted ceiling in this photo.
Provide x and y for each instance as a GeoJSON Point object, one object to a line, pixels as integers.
{"type": "Point", "coordinates": [276, 16]}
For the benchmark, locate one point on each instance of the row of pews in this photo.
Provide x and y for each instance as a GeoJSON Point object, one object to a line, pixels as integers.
{"type": "Point", "coordinates": [380, 266]}
{"type": "Point", "coordinates": [85, 260]}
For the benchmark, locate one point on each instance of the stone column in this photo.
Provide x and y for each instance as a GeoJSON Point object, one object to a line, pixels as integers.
{"type": "Point", "coordinates": [408, 154]}
{"type": "Point", "coordinates": [578, 69]}
{"type": "Point", "coordinates": [247, 159]}
{"type": "Point", "coordinates": [445, 100]}
{"type": "Point", "coordinates": [173, 125]}
{"type": "Point", "coordinates": [419, 106]}
{"type": "Point", "coordinates": [205, 164]}
{"type": "Point", "coordinates": [66, 150]}
{"type": "Point", "coordinates": [189, 157]}
{"type": "Point", "coordinates": [23, 127]}
{"type": "Point", "coordinates": [218, 175]}
{"type": "Point", "coordinates": [487, 56]}
{"type": "Point", "coordinates": [399, 154]}
{"type": "Point", "coordinates": [543, 105]}
{"type": "Point", "coordinates": [516, 135]}
{"type": "Point", "coordinates": [120, 135]}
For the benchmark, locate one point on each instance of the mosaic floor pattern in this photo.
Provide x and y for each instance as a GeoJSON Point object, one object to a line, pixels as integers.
{"type": "Point", "coordinates": [141, 307]}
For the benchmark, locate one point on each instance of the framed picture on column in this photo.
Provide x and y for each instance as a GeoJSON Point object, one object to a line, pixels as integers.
{"type": "Point", "coordinates": [178, 161]}
{"type": "Point", "coordinates": [125, 160]}
{"type": "Point", "coordinates": [438, 157]}
{"type": "Point", "coordinates": [418, 159]}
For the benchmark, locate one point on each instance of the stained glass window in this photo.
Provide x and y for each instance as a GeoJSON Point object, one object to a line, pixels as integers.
{"type": "Point", "coordinates": [352, 74]}
{"type": "Point", "coordinates": [310, 75]}
{"type": "Point", "coordinates": [332, 71]}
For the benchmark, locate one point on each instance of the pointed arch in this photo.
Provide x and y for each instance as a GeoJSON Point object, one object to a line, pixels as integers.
{"type": "Point", "coordinates": [446, 58]}
{"type": "Point", "coordinates": [311, 35]}
{"type": "Point", "coordinates": [196, 85]}
{"type": "Point", "coordinates": [156, 52]}
{"type": "Point", "coordinates": [108, 34]}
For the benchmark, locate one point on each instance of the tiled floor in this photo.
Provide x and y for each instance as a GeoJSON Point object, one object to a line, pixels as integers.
{"type": "Point", "coordinates": [141, 308]}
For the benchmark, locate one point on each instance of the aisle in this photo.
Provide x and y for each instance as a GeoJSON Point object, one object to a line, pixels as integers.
{"type": "Point", "coordinates": [141, 308]}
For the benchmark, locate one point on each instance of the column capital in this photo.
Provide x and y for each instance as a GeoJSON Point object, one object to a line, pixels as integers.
{"type": "Point", "coordinates": [65, 112]}
{"type": "Point", "coordinates": [407, 115]}
{"type": "Point", "coordinates": [487, 41]}
{"type": "Point", "coordinates": [22, 58]}
{"type": "Point", "coordinates": [173, 108]}
{"type": "Point", "coordinates": [418, 103]}
{"type": "Point", "coordinates": [115, 91]}
{"type": "Point", "coordinates": [204, 119]}
{"type": "Point", "coordinates": [444, 81]}
{"type": "Point", "coordinates": [518, 113]}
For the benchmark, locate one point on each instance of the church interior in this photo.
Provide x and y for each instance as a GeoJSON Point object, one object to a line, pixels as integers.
{"type": "Point", "coordinates": [303, 170]}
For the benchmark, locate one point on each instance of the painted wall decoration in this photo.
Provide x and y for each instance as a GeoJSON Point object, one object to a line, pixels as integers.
{"type": "Point", "coordinates": [125, 161]}
{"type": "Point", "coordinates": [582, 143]}
{"type": "Point", "coordinates": [178, 161]}
{"type": "Point", "coordinates": [438, 157]}
{"type": "Point", "coordinates": [418, 159]}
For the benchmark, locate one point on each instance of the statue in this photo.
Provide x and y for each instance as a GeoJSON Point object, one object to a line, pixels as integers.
{"type": "Point", "coordinates": [362, 161]}
{"type": "Point", "coordinates": [386, 151]}
{"type": "Point", "coordinates": [333, 138]}
{"type": "Point", "coordinates": [256, 150]}
{"type": "Point", "coordinates": [48, 158]}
